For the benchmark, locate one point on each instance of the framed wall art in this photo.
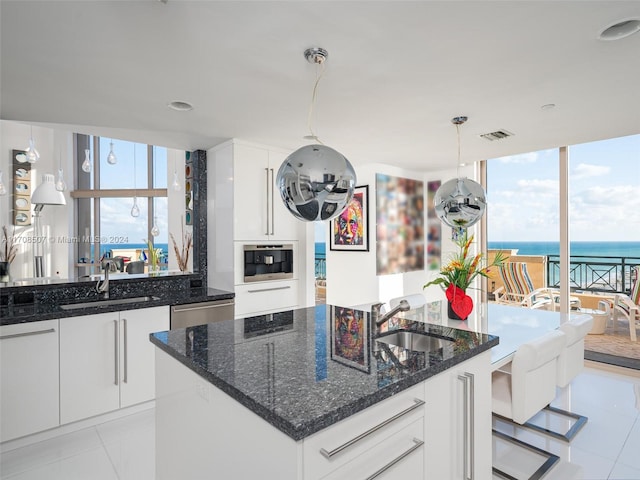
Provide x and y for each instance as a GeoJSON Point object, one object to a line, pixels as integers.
{"type": "Point", "coordinates": [399, 225]}
{"type": "Point", "coordinates": [350, 338]}
{"type": "Point", "coordinates": [350, 229]}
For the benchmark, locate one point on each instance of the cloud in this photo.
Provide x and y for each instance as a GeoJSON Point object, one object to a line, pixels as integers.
{"type": "Point", "coordinates": [585, 170]}
{"type": "Point", "coordinates": [522, 158]}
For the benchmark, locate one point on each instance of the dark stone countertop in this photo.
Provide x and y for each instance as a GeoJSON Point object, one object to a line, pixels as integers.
{"type": "Point", "coordinates": [306, 369]}
{"type": "Point", "coordinates": [45, 304]}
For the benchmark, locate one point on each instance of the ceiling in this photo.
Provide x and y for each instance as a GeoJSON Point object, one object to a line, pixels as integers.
{"type": "Point", "coordinates": [397, 73]}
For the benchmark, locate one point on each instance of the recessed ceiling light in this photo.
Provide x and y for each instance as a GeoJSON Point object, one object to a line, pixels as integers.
{"type": "Point", "coordinates": [620, 29]}
{"type": "Point", "coordinates": [180, 106]}
{"type": "Point", "coordinates": [548, 106]}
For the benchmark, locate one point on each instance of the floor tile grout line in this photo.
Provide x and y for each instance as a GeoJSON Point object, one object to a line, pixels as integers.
{"type": "Point", "coordinates": [615, 463]}
{"type": "Point", "coordinates": [65, 457]}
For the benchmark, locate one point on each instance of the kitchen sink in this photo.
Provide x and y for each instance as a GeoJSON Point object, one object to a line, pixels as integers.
{"type": "Point", "coordinates": [419, 342]}
{"type": "Point", "coordinates": [108, 303]}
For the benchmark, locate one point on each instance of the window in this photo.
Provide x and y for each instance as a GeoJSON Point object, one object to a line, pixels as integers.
{"type": "Point", "coordinates": [106, 195]}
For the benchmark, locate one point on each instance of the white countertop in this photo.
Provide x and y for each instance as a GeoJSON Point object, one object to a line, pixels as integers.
{"type": "Point", "coordinates": [514, 325]}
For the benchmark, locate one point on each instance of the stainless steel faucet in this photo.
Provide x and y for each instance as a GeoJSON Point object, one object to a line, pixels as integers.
{"type": "Point", "coordinates": [377, 320]}
{"type": "Point", "coordinates": [103, 285]}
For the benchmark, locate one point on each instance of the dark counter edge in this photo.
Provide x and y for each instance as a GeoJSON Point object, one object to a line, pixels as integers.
{"type": "Point", "coordinates": [52, 310]}
{"type": "Point", "coordinates": [299, 432]}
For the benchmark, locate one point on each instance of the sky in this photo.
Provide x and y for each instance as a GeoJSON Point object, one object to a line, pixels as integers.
{"type": "Point", "coordinates": [604, 193]}
{"type": "Point", "coordinates": [115, 213]}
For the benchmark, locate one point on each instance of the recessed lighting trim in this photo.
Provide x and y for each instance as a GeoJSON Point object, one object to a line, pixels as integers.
{"type": "Point", "coordinates": [180, 106]}
{"type": "Point", "coordinates": [548, 106]}
{"type": "Point", "coordinates": [620, 29]}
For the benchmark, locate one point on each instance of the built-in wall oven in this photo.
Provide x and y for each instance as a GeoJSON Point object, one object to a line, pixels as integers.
{"type": "Point", "coordinates": [268, 262]}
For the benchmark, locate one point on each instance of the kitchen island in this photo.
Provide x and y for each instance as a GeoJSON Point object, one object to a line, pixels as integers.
{"type": "Point", "coordinates": [313, 393]}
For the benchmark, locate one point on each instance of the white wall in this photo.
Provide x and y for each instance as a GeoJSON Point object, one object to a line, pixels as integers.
{"type": "Point", "coordinates": [351, 276]}
{"type": "Point", "coordinates": [55, 147]}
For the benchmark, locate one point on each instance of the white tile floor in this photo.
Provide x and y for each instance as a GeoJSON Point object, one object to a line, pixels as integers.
{"type": "Point", "coordinates": [607, 448]}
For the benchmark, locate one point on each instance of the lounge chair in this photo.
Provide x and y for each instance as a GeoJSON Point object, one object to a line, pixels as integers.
{"type": "Point", "coordinates": [518, 288]}
{"type": "Point", "coordinates": [629, 306]}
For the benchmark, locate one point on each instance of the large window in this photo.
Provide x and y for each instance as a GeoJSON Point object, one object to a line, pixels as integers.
{"type": "Point", "coordinates": [106, 195]}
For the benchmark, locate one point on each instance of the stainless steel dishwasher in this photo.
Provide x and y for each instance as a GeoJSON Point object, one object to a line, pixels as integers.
{"type": "Point", "coordinates": [192, 314]}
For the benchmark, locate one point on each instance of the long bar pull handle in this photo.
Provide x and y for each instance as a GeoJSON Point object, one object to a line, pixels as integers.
{"type": "Point", "coordinates": [417, 444]}
{"type": "Point", "coordinates": [203, 307]}
{"type": "Point", "coordinates": [116, 350]}
{"type": "Point", "coordinates": [266, 171]}
{"type": "Point", "coordinates": [126, 351]}
{"type": "Point", "coordinates": [27, 334]}
{"type": "Point", "coordinates": [273, 222]}
{"type": "Point", "coordinates": [328, 454]}
{"type": "Point", "coordinates": [268, 289]}
{"type": "Point", "coordinates": [468, 420]}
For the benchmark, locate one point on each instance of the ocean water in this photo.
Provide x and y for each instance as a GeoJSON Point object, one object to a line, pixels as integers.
{"type": "Point", "coordinates": [582, 249]}
{"type": "Point", "coordinates": [132, 246]}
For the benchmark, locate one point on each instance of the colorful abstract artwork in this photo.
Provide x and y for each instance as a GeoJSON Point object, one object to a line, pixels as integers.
{"type": "Point", "coordinates": [350, 338]}
{"type": "Point", "coordinates": [350, 229]}
{"type": "Point", "coordinates": [399, 224]}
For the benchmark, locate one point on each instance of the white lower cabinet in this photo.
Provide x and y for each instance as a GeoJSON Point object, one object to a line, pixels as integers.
{"type": "Point", "coordinates": [265, 297]}
{"type": "Point", "coordinates": [458, 422]}
{"type": "Point", "coordinates": [107, 361]}
{"type": "Point", "coordinates": [370, 440]}
{"type": "Point", "coordinates": [29, 374]}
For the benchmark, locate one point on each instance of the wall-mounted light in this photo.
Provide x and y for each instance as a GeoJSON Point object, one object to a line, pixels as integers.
{"type": "Point", "coordinates": [45, 194]}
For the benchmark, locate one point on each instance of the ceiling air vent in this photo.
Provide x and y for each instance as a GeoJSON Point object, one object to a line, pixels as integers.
{"type": "Point", "coordinates": [497, 135]}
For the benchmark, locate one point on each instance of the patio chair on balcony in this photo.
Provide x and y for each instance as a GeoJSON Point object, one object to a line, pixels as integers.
{"type": "Point", "coordinates": [629, 307]}
{"type": "Point", "coordinates": [518, 288]}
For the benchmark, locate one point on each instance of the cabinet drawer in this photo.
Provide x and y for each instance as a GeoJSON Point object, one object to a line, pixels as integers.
{"type": "Point", "coordinates": [264, 297]}
{"type": "Point", "coordinates": [341, 443]}
{"type": "Point", "coordinates": [400, 455]}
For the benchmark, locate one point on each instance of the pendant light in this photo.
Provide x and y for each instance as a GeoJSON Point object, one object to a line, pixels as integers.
{"type": "Point", "coordinates": [111, 158]}
{"type": "Point", "coordinates": [61, 185]}
{"type": "Point", "coordinates": [86, 165]}
{"type": "Point", "coordinates": [176, 184]}
{"type": "Point", "coordinates": [135, 211]}
{"type": "Point", "coordinates": [32, 154]}
{"type": "Point", "coordinates": [3, 189]}
{"type": "Point", "coordinates": [316, 182]}
{"type": "Point", "coordinates": [460, 202]}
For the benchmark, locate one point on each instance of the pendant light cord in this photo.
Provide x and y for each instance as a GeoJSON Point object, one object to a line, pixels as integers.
{"type": "Point", "coordinates": [314, 96]}
{"type": "Point", "coordinates": [458, 135]}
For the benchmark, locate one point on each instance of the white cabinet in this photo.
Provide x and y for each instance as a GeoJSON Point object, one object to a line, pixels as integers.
{"type": "Point", "coordinates": [107, 361]}
{"type": "Point", "coordinates": [265, 297]}
{"type": "Point", "coordinates": [386, 437]}
{"type": "Point", "coordinates": [460, 412]}
{"type": "Point", "coordinates": [259, 213]}
{"type": "Point", "coordinates": [29, 373]}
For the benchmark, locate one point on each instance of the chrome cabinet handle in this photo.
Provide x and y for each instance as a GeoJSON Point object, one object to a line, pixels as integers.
{"type": "Point", "coordinates": [273, 185]}
{"type": "Point", "coordinates": [188, 309]}
{"type": "Point", "coordinates": [27, 334]}
{"type": "Point", "coordinates": [116, 350]}
{"type": "Point", "coordinates": [266, 171]}
{"type": "Point", "coordinates": [328, 454]}
{"type": "Point", "coordinates": [126, 351]}
{"type": "Point", "coordinates": [468, 425]}
{"type": "Point", "coordinates": [417, 445]}
{"type": "Point", "coordinates": [268, 289]}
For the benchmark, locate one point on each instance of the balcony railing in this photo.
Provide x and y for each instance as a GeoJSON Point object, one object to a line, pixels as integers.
{"type": "Point", "coordinates": [593, 273]}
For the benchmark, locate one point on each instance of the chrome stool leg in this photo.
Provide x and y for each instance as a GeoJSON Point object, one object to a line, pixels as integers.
{"type": "Point", "coordinates": [549, 463]}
